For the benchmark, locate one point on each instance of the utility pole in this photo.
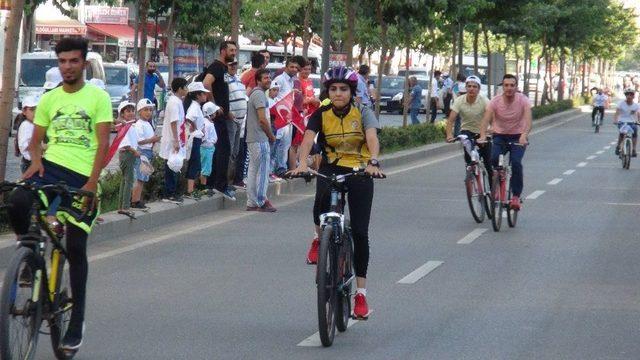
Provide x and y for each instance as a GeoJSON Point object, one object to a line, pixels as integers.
{"type": "Point", "coordinates": [326, 35]}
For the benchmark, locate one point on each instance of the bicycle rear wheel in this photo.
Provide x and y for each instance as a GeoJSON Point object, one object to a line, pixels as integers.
{"type": "Point", "coordinates": [61, 307]}
{"type": "Point", "coordinates": [21, 306]}
{"type": "Point", "coordinates": [326, 288]}
{"type": "Point", "coordinates": [486, 193]}
{"type": "Point", "coordinates": [345, 272]}
{"type": "Point", "coordinates": [474, 198]}
{"type": "Point", "coordinates": [496, 203]}
{"type": "Point", "coordinates": [512, 215]}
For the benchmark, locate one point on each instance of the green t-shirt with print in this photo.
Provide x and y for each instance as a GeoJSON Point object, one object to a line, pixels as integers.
{"type": "Point", "coordinates": [70, 119]}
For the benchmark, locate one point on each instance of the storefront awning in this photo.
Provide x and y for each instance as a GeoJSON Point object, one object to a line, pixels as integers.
{"type": "Point", "coordinates": [124, 33]}
{"type": "Point", "coordinates": [60, 27]}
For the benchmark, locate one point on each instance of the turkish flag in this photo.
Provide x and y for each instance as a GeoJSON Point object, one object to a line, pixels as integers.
{"type": "Point", "coordinates": [122, 132]}
{"type": "Point", "coordinates": [285, 113]}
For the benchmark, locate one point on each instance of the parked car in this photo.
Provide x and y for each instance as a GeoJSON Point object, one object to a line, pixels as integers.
{"type": "Point", "coordinates": [117, 82]}
{"type": "Point", "coordinates": [390, 87]}
{"type": "Point", "coordinates": [317, 85]}
{"type": "Point", "coordinates": [396, 102]}
{"type": "Point", "coordinates": [415, 71]}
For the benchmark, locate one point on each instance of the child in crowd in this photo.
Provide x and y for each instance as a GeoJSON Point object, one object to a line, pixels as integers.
{"type": "Point", "coordinates": [209, 140]}
{"type": "Point", "coordinates": [127, 155]}
{"type": "Point", "coordinates": [272, 94]}
{"type": "Point", "coordinates": [146, 139]}
{"type": "Point", "coordinates": [25, 131]}
{"type": "Point", "coordinates": [195, 118]}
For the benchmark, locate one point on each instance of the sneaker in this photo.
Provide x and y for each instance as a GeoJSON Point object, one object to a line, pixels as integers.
{"type": "Point", "coordinates": [128, 213]}
{"type": "Point", "coordinates": [139, 205]}
{"type": "Point", "coordinates": [253, 208]}
{"type": "Point", "coordinates": [274, 178]}
{"type": "Point", "coordinates": [617, 151]}
{"type": "Point", "coordinates": [634, 154]}
{"type": "Point", "coordinates": [312, 255]}
{"type": "Point", "coordinates": [515, 203]}
{"type": "Point", "coordinates": [73, 338]}
{"type": "Point", "coordinates": [360, 307]}
{"type": "Point", "coordinates": [173, 199]}
{"type": "Point", "coordinates": [240, 185]}
{"type": "Point", "coordinates": [210, 192]}
{"type": "Point", "coordinates": [267, 207]}
{"type": "Point", "coordinates": [229, 195]}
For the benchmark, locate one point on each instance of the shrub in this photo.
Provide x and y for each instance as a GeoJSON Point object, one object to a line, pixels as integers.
{"type": "Point", "coordinates": [395, 139]}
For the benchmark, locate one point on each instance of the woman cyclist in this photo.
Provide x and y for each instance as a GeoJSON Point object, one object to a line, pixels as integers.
{"type": "Point", "coordinates": [348, 137]}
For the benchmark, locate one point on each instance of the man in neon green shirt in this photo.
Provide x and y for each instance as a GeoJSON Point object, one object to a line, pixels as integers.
{"type": "Point", "coordinates": [76, 118]}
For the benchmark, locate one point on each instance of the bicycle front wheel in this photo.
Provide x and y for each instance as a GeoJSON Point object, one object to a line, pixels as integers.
{"type": "Point", "coordinates": [512, 215]}
{"type": "Point", "coordinates": [345, 272]}
{"type": "Point", "coordinates": [61, 307]}
{"type": "Point", "coordinates": [474, 197]}
{"type": "Point", "coordinates": [626, 162]}
{"type": "Point", "coordinates": [496, 203]}
{"type": "Point", "coordinates": [327, 299]}
{"type": "Point", "coordinates": [20, 306]}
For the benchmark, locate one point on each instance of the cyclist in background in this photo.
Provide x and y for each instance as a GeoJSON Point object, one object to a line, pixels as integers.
{"type": "Point", "coordinates": [348, 135]}
{"type": "Point", "coordinates": [600, 102]}
{"type": "Point", "coordinates": [510, 117]}
{"type": "Point", "coordinates": [76, 117]}
{"type": "Point", "coordinates": [627, 113]}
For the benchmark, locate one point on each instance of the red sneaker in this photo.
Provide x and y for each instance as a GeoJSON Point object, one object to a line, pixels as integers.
{"type": "Point", "coordinates": [515, 203]}
{"type": "Point", "coordinates": [360, 307]}
{"type": "Point", "coordinates": [312, 255]}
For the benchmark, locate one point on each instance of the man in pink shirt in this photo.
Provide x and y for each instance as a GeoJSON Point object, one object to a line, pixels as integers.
{"type": "Point", "coordinates": [510, 117]}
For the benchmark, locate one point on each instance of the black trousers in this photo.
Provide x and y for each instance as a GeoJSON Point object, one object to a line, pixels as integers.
{"type": "Point", "coordinates": [434, 109]}
{"type": "Point", "coordinates": [597, 109]}
{"type": "Point", "coordinates": [221, 156]}
{"type": "Point", "coordinates": [359, 199]}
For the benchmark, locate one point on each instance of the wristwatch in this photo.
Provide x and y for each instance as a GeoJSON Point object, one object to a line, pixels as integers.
{"type": "Point", "coordinates": [373, 162]}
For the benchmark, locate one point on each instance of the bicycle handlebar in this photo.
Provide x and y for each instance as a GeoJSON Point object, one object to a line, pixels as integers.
{"type": "Point", "coordinates": [312, 173]}
{"type": "Point", "coordinates": [60, 188]}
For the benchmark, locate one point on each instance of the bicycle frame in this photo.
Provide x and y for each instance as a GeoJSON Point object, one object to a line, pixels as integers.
{"type": "Point", "coordinates": [475, 166]}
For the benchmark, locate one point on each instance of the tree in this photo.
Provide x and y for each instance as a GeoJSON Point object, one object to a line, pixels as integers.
{"type": "Point", "coordinates": [142, 58]}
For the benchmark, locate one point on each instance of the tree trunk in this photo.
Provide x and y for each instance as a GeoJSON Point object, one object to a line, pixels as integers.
{"type": "Point", "coordinates": [476, 35]}
{"type": "Point", "coordinates": [454, 52]}
{"type": "Point", "coordinates": [517, 54]}
{"type": "Point", "coordinates": [284, 41]}
{"type": "Point", "coordinates": [171, 41]}
{"type": "Point", "coordinates": [235, 21]}
{"type": "Point", "coordinates": [460, 51]}
{"type": "Point", "coordinates": [389, 61]}
{"type": "Point", "coordinates": [584, 75]}
{"type": "Point", "coordinates": [306, 35]}
{"type": "Point", "coordinates": [383, 52]}
{"type": "Point", "coordinates": [136, 25]}
{"type": "Point", "coordinates": [561, 80]}
{"type": "Point", "coordinates": [28, 32]}
{"type": "Point", "coordinates": [527, 67]}
{"type": "Point", "coordinates": [351, 30]}
{"type": "Point", "coordinates": [11, 44]}
{"type": "Point", "coordinates": [405, 98]}
{"type": "Point", "coordinates": [361, 54]}
{"type": "Point", "coordinates": [429, 95]}
{"type": "Point", "coordinates": [144, 11]}
{"type": "Point", "coordinates": [542, 54]}
{"type": "Point", "coordinates": [489, 62]}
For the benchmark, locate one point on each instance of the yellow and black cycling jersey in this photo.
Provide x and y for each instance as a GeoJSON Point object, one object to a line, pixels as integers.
{"type": "Point", "coordinates": [342, 137]}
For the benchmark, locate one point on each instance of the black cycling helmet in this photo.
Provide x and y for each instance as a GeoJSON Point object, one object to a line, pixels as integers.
{"type": "Point", "coordinates": [341, 74]}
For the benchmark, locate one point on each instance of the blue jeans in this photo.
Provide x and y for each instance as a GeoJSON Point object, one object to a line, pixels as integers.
{"type": "Point", "coordinates": [170, 181]}
{"type": "Point", "coordinates": [258, 177]}
{"type": "Point", "coordinates": [282, 151]}
{"type": "Point", "coordinates": [516, 153]}
{"type": "Point", "coordinates": [414, 115]}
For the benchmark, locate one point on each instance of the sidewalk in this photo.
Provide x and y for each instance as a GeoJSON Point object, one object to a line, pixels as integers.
{"type": "Point", "coordinates": [161, 214]}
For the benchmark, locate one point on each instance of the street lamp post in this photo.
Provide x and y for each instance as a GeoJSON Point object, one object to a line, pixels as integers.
{"type": "Point", "coordinates": [326, 34]}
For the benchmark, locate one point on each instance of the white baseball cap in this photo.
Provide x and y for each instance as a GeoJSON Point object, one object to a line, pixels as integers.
{"type": "Point", "coordinates": [144, 103]}
{"type": "Point", "coordinates": [124, 104]}
{"type": "Point", "coordinates": [30, 101]}
{"type": "Point", "coordinates": [197, 86]}
{"type": "Point", "coordinates": [209, 108]}
{"type": "Point", "coordinates": [98, 82]}
{"type": "Point", "coordinates": [53, 78]}
{"type": "Point", "coordinates": [473, 79]}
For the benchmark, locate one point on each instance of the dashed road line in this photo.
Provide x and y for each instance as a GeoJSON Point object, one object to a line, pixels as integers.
{"type": "Point", "coordinates": [600, 152]}
{"type": "Point", "coordinates": [536, 194]}
{"type": "Point", "coordinates": [613, 142]}
{"type": "Point", "coordinates": [420, 272]}
{"type": "Point", "coordinates": [569, 172]}
{"type": "Point", "coordinates": [607, 147]}
{"type": "Point", "coordinates": [591, 157]}
{"type": "Point", "coordinates": [582, 164]}
{"type": "Point", "coordinates": [555, 181]}
{"type": "Point", "coordinates": [472, 236]}
{"type": "Point", "coordinates": [314, 340]}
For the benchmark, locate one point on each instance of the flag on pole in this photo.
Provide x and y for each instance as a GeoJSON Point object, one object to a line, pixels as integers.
{"type": "Point", "coordinates": [122, 132]}
{"type": "Point", "coordinates": [285, 113]}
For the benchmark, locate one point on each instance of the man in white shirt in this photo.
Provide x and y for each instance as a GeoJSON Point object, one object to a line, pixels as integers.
{"type": "Point", "coordinates": [286, 82]}
{"type": "Point", "coordinates": [171, 142]}
{"type": "Point", "coordinates": [434, 95]}
{"type": "Point", "coordinates": [238, 109]}
{"type": "Point", "coordinates": [628, 113]}
{"type": "Point", "coordinates": [25, 131]}
{"type": "Point", "coordinates": [600, 102]}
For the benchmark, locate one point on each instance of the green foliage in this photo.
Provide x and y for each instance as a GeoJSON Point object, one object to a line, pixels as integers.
{"type": "Point", "coordinates": [400, 138]}
{"type": "Point", "coordinates": [552, 108]}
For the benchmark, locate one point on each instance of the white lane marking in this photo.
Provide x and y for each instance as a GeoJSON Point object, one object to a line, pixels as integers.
{"type": "Point", "coordinates": [591, 157]}
{"type": "Point", "coordinates": [613, 142]}
{"type": "Point", "coordinates": [599, 152]}
{"type": "Point", "coordinates": [582, 164]}
{"type": "Point", "coordinates": [623, 204]}
{"type": "Point", "coordinates": [607, 147]}
{"type": "Point", "coordinates": [569, 172]}
{"type": "Point", "coordinates": [555, 181]}
{"type": "Point", "coordinates": [472, 236]}
{"type": "Point", "coordinates": [420, 272]}
{"type": "Point", "coordinates": [421, 165]}
{"type": "Point", "coordinates": [314, 340]}
{"type": "Point", "coordinates": [534, 195]}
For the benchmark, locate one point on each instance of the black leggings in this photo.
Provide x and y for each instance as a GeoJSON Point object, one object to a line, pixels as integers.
{"type": "Point", "coordinates": [359, 198]}
{"type": "Point", "coordinates": [21, 201]}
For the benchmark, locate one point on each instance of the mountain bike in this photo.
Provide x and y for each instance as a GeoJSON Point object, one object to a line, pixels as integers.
{"type": "Point", "coordinates": [36, 282]}
{"type": "Point", "coordinates": [502, 193]}
{"type": "Point", "coordinates": [626, 146]}
{"type": "Point", "coordinates": [334, 273]}
{"type": "Point", "coordinates": [476, 182]}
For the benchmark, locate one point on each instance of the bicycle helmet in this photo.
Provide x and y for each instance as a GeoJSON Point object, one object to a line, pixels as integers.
{"type": "Point", "coordinates": [341, 74]}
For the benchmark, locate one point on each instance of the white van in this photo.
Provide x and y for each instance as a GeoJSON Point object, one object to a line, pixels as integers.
{"type": "Point", "coordinates": [34, 66]}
